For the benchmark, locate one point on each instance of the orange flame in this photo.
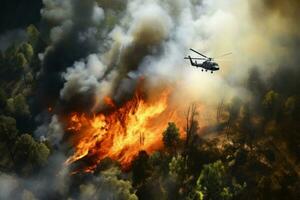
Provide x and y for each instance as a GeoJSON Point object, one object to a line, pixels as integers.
{"type": "Point", "coordinates": [121, 134]}
{"type": "Point", "coordinates": [108, 101]}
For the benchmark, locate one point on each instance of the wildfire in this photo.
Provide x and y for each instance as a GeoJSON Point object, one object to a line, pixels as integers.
{"type": "Point", "coordinates": [122, 133]}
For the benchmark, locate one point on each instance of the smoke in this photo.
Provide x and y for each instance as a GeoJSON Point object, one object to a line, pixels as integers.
{"type": "Point", "coordinates": [82, 82]}
{"type": "Point", "coordinates": [288, 10]}
{"type": "Point", "coordinates": [107, 185]}
{"type": "Point", "coordinates": [93, 55]}
{"type": "Point", "coordinates": [280, 19]}
{"type": "Point", "coordinates": [73, 35]}
{"type": "Point", "coordinates": [8, 185]}
{"type": "Point", "coordinates": [55, 182]}
{"type": "Point", "coordinates": [51, 183]}
{"type": "Point", "coordinates": [11, 37]}
{"type": "Point", "coordinates": [277, 22]}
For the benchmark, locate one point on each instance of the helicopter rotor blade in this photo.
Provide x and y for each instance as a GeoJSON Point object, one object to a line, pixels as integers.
{"type": "Point", "coordinates": [198, 53]}
{"type": "Point", "coordinates": [223, 60]}
{"type": "Point", "coordinates": [195, 58]}
{"type": "Point", "coordinates": [226, 54]}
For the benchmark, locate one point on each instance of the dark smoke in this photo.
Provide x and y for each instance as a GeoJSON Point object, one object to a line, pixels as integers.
{"type": "Point", "coordinates": [75, 43]}
{"type": "Point", "coordinates": [289, 71]}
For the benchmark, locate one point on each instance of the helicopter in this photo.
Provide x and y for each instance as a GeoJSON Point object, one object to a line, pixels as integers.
{"type": "Point", "coordinates": [208, 64]}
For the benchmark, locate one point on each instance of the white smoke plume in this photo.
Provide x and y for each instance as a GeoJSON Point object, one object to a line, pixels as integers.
{"type": "Point", "coordinates": [152, 37]}
{"type": "Point", "coordinates": [52, 182]}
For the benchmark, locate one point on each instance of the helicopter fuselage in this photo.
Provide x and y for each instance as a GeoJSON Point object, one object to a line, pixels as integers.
{"type": "Point", "coordinates": [206, 65]}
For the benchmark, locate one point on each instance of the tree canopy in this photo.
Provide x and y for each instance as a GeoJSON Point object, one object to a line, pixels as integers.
{"type": "Point", "coordinates": [171, 136]}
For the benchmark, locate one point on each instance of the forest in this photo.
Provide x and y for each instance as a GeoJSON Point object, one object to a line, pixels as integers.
{"type": "Point", "coordinates": [250, 151]}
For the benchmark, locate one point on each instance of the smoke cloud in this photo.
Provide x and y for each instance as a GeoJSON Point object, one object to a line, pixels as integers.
{"type": "Point", "coordinates": [51, 183]}
{"type": "Point", "coordinates": [11, 37]}
{"type": "Point", "coordinates": [93, 55]}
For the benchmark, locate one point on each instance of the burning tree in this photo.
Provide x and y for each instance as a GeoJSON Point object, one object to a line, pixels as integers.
{"type": "Point", "coordinates": [123, 131]}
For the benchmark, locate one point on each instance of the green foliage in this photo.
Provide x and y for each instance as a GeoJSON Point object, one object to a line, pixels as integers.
{"type": "Point", "coordinates": [27, 50]}
{"type": "Point", "coordinates": [214, 185]}
{"type": "Point", "coordinates": [8, 130]}
{"type": "Point", "coordinates": [25, 147]}
{"type": "Point", "coordinates": [171, 136]}
{"type": "Point", "coordinates": [42, 153]}
{"type": "Point", "coordinates": [15, 59]}
{"type": "Point", "coordinates": [12, 62]}
{"type": "Point", "coordinates": [108, 186]}
{"type": "Point", "coordinates": [18, 106]}
{"type": "Point", "coordinates": [33, 35]}
{"type": "Point", "coordinates": [177, 167]}
{"type": "Point", "coordinates": [29, 153]}
{"type": "Point", "coordinates": [290, 106]}
{"type": "Point", "coordinates": [270, 99]}
{"type": "Point", "coordinates": [140, 168]}
{"type": "Point", "coordinates": [21, 60]}
{"type": "Point", "coordinates": [155, 158]}
{"type": "Point", "coordinates": [211, 180]}
{"type": "Point", "coordinates": [21, 106]}
{"type": "Point", "coordinates": [10, 106]}
{"type": "Point", "coordinates": [112, 4]}
{"type": "Point", "coordinates": [11, 52]}
{"type": "Point", "coordinates": [159, 162]}
{"type": "Point", "coordinates": [8, 135]}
